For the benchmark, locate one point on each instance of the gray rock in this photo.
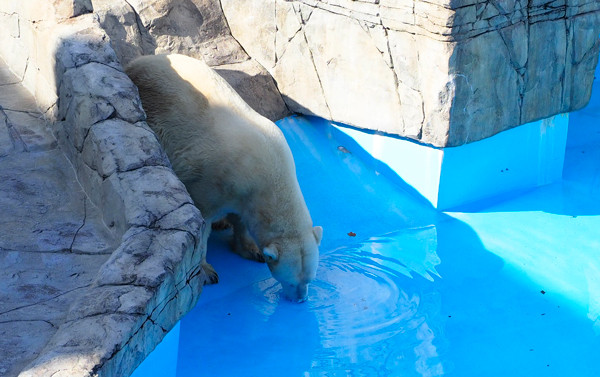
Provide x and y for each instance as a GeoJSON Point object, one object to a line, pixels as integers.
{"type": "Point", "coordinates": [78, 347]}
{"type": "Point", "coordinates": [255, 30]}
{"type": "Point", "coordinates": [195, 28]}
{"type": "Point", "coordinates": [89, 46]}
{"type": "Point", "coordinates": [32, 130]}
{"type": "Point", "coordinates": [6, 144]}
{"type": "Point", "coordinates": [42, 286]}
{"type": "Point", "coordinates": [53, 240]}
{"type": "Point", "coordinates": [93, 93]}
{"type": "Point", "coordinates": [71, 8]}
{"type": "Point", "coordinates": [148, 194]}
{"type": "Point", "coordinates": [128, 36]}
{"type": "Point", "coordinates": [145, 258]}
{"type": "Point", "coordinates": [377, 106]}
{"type": "Point", "coordinates": [63, 240]}
{"type": "Point", "coordinates": [114, 145]}
{"type": "Point", "coordinates": [39, 195]}
{"type": "Point", "coordinates": [256, 86]}
{"type": "Point", "coordinates": [455, 72]}
{"type": "Point", "coordinates": [16, 97]}
{"type": "Point", "coordinates": [18, 346]}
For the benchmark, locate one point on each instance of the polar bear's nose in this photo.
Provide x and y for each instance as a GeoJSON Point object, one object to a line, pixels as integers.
{"type": "Point", "coordinates": [296, 293]}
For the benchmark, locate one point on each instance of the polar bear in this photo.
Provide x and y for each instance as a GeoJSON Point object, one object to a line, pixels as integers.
{"type": "Point", "coordinates": [235, 164]}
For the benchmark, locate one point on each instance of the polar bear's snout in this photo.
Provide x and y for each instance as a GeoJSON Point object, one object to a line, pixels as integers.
{"type": "Point", "coordinates": [296, 293]}
{"type": "Point", "coordinates": [294, 261]}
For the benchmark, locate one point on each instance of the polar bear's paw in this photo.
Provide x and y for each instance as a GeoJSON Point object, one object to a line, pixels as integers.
{"type": "Point", "coordinates": [211, 274]}
{"type": "Point", "coordinates": [222, 224]}
{"type": "Point", "coordinates": [244, 246]}
{"type": "Point", "coordinates": [242, 242]}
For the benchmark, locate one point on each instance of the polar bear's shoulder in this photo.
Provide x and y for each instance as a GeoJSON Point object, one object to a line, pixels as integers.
{"type": "Point", "coordinates": [179, 71]}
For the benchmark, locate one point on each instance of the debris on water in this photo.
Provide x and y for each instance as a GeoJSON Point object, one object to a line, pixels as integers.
{"type": "Point", "coordinates": [343, 149]}
{"type": "Point", "coordinates": [543, 292]}
{"type": "Point", "coordinates": [352, 234]}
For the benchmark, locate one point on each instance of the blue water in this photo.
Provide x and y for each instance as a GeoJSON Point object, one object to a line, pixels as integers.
{"type": "Point", "coordinates": [510, 287]}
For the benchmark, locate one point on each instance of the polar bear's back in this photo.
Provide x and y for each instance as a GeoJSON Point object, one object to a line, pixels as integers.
{"type": "Point", "coordinates": [215, 141]}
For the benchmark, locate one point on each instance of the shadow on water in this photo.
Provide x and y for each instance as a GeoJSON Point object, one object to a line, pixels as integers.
{"type": "Point", "coordinates": [402, 290]}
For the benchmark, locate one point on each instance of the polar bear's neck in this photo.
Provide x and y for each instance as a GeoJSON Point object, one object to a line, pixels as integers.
{"type": "Point", "coordinates": [278, 212]}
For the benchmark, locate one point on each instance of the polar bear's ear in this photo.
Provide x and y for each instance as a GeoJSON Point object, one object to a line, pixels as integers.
{"type": "Point", "coordinates": [271, 253]}
{"type": "Point", "coordinates": [318, 232]}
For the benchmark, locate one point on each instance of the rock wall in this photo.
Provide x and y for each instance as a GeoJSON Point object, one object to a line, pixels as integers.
{"type": "Point", "coordinates": [154, 276]}
{"type": "Point", "coordinates": [195, 28]}
{"type": "Point", "coordinates": [441, 72]}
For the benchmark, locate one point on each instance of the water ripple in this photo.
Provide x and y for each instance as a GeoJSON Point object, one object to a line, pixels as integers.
{"type": "Point", "coordinates": [367, 323]}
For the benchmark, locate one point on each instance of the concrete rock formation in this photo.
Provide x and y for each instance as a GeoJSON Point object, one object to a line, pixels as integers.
{"type": "Point", "coordinates": [441, 72]}
{"type": "Point", "coordinates": [195, 28]}
{"type": "Point", "coordinates": [108, 254]}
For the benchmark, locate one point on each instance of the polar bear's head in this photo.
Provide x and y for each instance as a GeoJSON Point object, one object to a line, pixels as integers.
{"type": "Point", "coordinates": [293, 262]}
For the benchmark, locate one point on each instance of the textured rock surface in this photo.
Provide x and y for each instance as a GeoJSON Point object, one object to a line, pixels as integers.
{"type": "Point", "coordinates": [53, 238]}
{"type": "Point", "coordinates": [195, 28]}
{"type": "Point", "coordinates": [100, 252]}
{"type": "Point", "coordinates": [441, 72]}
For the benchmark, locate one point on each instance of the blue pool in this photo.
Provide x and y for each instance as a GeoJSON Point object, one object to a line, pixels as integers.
{"type": "Point", "coordinates": [508, 287]}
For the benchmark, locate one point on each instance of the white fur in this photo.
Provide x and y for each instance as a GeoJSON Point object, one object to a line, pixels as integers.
{"type": "Point", "coordinates": [232, 160]}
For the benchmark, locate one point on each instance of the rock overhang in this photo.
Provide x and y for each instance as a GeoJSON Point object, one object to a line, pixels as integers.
{"type": "Point", "coordinates": [444, 73]}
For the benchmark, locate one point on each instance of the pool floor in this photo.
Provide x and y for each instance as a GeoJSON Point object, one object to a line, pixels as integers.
{"type": "Point", "coordinates": [509, 287]}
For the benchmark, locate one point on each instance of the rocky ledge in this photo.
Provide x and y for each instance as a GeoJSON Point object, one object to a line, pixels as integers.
{"type": "Point", "coordinates": [144, 284]}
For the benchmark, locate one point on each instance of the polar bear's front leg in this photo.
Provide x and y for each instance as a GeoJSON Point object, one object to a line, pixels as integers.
{"type": "Point", "coordinates": [242, 243]}
{"type": "Point", "coordinates": [211, 274]}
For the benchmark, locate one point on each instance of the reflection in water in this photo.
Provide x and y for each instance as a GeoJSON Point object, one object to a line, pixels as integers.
{"type": "Point", "coordinates": [406, 251]}
{"type": "Point", "coordinates": [365, 317]}
{"type": "Point", "coordinates": [367, 323]}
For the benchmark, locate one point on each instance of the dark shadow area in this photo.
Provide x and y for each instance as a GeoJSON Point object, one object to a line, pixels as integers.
{"type": "Point", "coordinates": [258, 89]}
